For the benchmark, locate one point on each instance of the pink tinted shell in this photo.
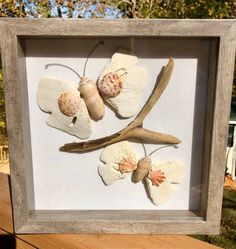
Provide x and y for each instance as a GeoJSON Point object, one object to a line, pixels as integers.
{"type": "Point", "coordinates": [157, 177]}
{"type": "Point", "coordinates": [127, 165]}
{"type": "Point", "coordinates": [110, 85]}
{"type": "Point", "coordinates": [69, 103]}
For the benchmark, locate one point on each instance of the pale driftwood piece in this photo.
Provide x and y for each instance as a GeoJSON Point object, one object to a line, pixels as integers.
{"type": "Point", "coordinates": [134, 130]}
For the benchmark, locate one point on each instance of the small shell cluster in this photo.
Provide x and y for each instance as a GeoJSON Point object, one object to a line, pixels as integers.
{"type": "Point", "coordinates": [127, 165]}
{"type": "Point", "coordinates": [69, 103]}
{"type": "Point", "coordinates": [110, 86]}
{"type": "Point", "coordinates": [157, 177]}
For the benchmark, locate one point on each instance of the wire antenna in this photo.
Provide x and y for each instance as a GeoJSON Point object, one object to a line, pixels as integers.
{"type": "Point", "coordinates": [100, 43]}
{"type": "Point", "coordinates": [169, 145]}
{"type": "Point", "coordinates": [61, 65]}
{"type": "Point", "coordinates": [144, 149]}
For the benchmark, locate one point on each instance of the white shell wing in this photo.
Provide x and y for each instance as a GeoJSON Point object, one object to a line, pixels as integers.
{"type": "Point", "coordinates": [127, 102]}
{"type": "Point", "coordinates": [174, 172]}
{"type": "Point", "coordinates": [111, 157]}
{"type": "Point", "coordinates": [48, 94]}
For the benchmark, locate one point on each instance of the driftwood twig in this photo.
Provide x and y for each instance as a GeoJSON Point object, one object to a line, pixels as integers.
{"type": "Point", "coordinates": [134, 130]}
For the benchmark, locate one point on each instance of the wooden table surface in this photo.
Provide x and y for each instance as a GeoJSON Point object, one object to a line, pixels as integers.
{"type": "Point", "coordinates": [8, 240]}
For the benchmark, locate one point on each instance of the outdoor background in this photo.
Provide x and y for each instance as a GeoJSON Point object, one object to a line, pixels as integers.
{"type": "Point", "coordinates": [131, 9]}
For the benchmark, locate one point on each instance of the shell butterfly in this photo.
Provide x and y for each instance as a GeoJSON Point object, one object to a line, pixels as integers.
{"type": "Point", "coordinates": [161, 178]}
{"type": "Point", "coordinates": [72, 107]}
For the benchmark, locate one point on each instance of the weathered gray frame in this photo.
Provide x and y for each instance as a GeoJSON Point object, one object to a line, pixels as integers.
{"type": "Point", "coordinates": [26, 219]}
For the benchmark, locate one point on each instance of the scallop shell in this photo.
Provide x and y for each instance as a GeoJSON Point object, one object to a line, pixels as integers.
{"type": "Point", "coordinates": [157, 177]}
{"type": "Point", "coordinates": [112, 157]}
{"type": "Point", "coordinates": [127, 165]}
{"type": "Point", "coordinates": [49, 92]}
{"type": "Point", "coordinates": [69, 103]}
{"type": "Point", "coordinates": [92, 98]}
{"type": "Point", "coordinates": [127, 102]}
{"type": "Point", "coordinates": [143, 167]}
{"type": "Point", "coordinates": [174, 172]}
{"type": "Point", "coordinates": [110, 85]}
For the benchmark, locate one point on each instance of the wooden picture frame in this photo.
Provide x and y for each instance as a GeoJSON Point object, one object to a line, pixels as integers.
{"type": "Point", "coordinates": [220, 77]}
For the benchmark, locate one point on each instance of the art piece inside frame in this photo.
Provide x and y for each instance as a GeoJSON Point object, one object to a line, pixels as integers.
{"type": "Point", "coordinates": [119, 131]}
{"type": "Point", "coordinates": [119, 120]}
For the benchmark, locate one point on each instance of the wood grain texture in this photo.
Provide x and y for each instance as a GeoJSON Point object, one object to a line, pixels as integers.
{"type": "Point", "coordinates": [15, 129]}
{"type": "Point", "coordinates": [28, 170]}
{"type": "Point", "coordinates": [209, 116]}
{"type": "Point", "coordinates": [4, 167]}
{"type": "Point", "coordinates": [221, 114]}
{"type": "Point", "coordinates": [116, 242]}
{"type": "Point", "coordinates": [5, 204]}
{"type": "Point", "coordinates": [9, 241]}
{"type": "Point", "coordinates": [71, 241]}
{"type": "Point", "coordinates": [125, 27]}
{"type": "Point", "coordinates": [218, 106]}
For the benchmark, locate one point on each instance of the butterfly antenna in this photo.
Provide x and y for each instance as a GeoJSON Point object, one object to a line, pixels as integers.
{"type": "Point", "coordinates": [61, 65]}
{"type": "Point", "coordinates": [172, 145]}
{"type": "Point", "coordinates": [100, 43]}
{"type": "Point", "coordinates": [144, 149]}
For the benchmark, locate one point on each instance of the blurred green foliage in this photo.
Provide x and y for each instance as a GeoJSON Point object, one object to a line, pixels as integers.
{"type": "Point", "coordinates": [178, 9]}
{"type": "Point", "coordinates": [234, 85]}
{"type": "Point", "coordinates": [3, 132]}
{"type": "Point", "coordinates": [10, 8]}
{"type": "Point", "coordinates": [22, 8]}
{"type": "Point", "coordinates": [130, 8]}
{"type": "Point", "coordinates": [59, 8]}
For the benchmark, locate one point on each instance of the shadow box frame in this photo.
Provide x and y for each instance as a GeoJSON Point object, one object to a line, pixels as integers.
{"type": "Point", "coordinates": [220, 77]}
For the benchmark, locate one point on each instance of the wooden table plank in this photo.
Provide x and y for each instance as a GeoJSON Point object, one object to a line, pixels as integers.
{"type": "Point", "coordinates": [5, 204]}
{"type": "Point", "coordinates": [75, 241]}
{"type": "Point", "coordinates": [8, 241]}
{"type": "Point", "coordinates": [116, 241]}
{"type": "Point", "coordinates": [4, 167]}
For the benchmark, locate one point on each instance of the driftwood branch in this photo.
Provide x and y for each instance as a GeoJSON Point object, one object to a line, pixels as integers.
{"type": "Point", "coordinates": [134, 131]}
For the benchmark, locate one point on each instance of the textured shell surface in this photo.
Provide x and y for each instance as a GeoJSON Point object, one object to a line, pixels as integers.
{"type": "Point", "coordinates": [69, 103]}
{"type": "Point", "coordinates": [110, 85]}
{"type": "Point", "coordinates": [49, 92]}
{"type": "Point", "coordinates": [143, 167]}
{"type": "Point", "coordinates": [162, 179]}
{"type": "Point", "coordinates": [127, 165]}
{"type": "Point", "coordinates": [157, 177]}
{"type": "Point", "coordinates": [127, 101]}
{"type": "Point", "coordinates": [92, 98]}
{"type": "Point", "coordinates": [169, 176]}
{"type": "Point", "coordinates": [116, 158]}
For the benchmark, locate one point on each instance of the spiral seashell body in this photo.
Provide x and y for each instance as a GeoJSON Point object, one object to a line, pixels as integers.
{"type": "Point", "coordinates": [143, 167]}
{"type": "Point", "coordinates": [92, 98]}
{"type": "Point", "coordinates": [110, 86]}
{"type": "Point", "coordinates": [69, 103]}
